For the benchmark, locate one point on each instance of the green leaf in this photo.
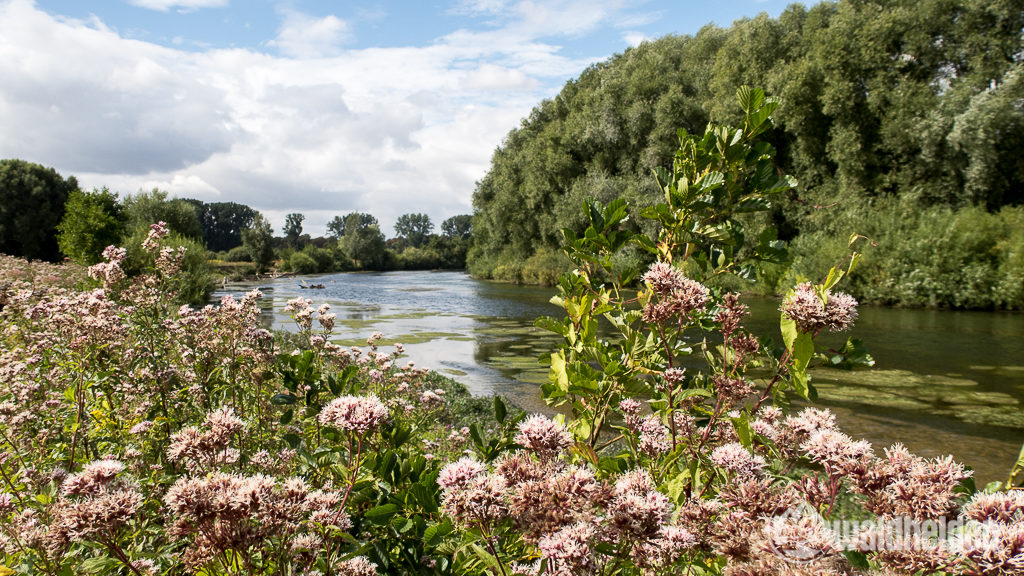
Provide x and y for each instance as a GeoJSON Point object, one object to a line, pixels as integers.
{"type": "Point", "coordinates": [434, 534]}
{"type": "Point", "coordinates": [499, 410]}
{"type": "Point", "coordinates": [283, 399]}
{"type": "Point", "coordinates": [293, 440]}
{"type": "Point", "coordinates": [833, 278]}
{"type": "Point", "coordinates": [286, 418]}
{"type": "Point", "coordinates": [474, 432]}
{"type": "Point", "coordinates": [382, 513]}
{"type": "Point", "coordinates": [803, 351]}
{"type": "Point", "coordinates": [486, 558]}
{"type": "Point", "coordinates": [559, 377]}
{"type": "Point", "coordinates": [742, 426]}
{"type": "Point", "coordinates": [789, 332]}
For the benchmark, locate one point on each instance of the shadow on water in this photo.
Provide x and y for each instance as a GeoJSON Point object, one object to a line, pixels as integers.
{"type": "Point", "coordinates": [944, 381]}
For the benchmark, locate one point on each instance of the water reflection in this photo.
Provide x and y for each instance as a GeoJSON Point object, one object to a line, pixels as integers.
{"type": "Point", "coordinates": [944, 381]}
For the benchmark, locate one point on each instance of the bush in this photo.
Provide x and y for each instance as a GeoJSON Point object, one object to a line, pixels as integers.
{"type": "Point", "coordinates": [544, 267]}
{"type": "Point", "coordinates": [302, 263]}
{"type": "Point", "coordinates": [192, 285]}
{"type": "Point", "coordinates": [937, 257]}
{"type": "Point", "coordinates": [238, 254]}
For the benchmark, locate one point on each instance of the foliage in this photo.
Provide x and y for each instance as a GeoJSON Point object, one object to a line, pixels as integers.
{"type": "Point", "coordinates": [460, 226]}
{"type": "Point", "coordinates": [92, 221]}
{"type": "Point", "coordinates": [414, 228]}
{"type": "Point", "coordinates": [336, 227]}
{"type": "Point", "coordinates": [157, 417]}
{"type": "Point", "coordinates": [915, 102]}
{"type": "Point", "coordinates": [191, 281]}
{"type": "Point", "coordinates": [936, 256]}
{"type": "Point", "coordinates": [222, 223]}
{"type": "Point", "coordinates": [293, 228]}
{"type": "Point", "coordinates": [32, 201]}
{"type": "Point", "coordinates": [363, 241]}
{"type": "Point", "coordinates": [713, 477]}
{"type": "Point", "coordinates": [258, 240]}
{"type": "Point", "coordinates": [145, 208]}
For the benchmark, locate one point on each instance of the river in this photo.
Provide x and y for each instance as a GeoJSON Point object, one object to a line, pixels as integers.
{"type": "Point", "coordinates": [944, 381]}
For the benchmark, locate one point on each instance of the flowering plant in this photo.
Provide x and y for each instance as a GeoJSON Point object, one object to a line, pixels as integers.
{"type": "Point", "coordinates": [674, 452]}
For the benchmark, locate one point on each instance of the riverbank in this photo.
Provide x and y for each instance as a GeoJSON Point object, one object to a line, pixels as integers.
{"type": "Point", "coordinates": [944, 381]}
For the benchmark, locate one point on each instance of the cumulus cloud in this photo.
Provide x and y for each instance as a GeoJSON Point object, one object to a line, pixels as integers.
{"type": "Point", "coordinates": [304, 36]}
{"type": "Point", "coordinates": [634, 38]}
{"type": "Point", "coordinates": [182, 5]}
{"type": "Point", "coordinates": [320, 129]}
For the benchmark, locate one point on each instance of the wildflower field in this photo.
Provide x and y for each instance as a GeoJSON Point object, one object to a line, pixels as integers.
{"type": "Point", "coordinates": [139, 437]}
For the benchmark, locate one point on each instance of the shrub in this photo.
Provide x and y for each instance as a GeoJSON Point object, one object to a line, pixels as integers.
{"type": "Point", "coordinates": [238, 254]}
{"type": "Point", "coordinates": [303, 263]}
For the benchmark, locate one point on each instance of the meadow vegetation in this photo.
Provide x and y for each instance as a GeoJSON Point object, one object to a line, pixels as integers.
{"type": "Point", "coordinates": [139, 437]}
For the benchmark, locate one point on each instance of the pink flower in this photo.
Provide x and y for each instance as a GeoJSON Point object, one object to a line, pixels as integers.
{"type": "Point", "coordinates": [458, 474]}
{"type": "Point", "coordinates": [358, 414]}
{"type": "Point", "coordinates": [358, 566]}
{"type": "Point", "coordinates": [806, 308]}
{"type": "Point", "coordinates": [543, 436]}
{"type": "Point", "coordinates": [735, 458]}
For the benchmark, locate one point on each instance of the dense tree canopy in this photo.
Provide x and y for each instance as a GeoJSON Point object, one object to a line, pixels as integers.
{"type": "Point", "coordinates": [415, 228]}
{"type": "Point", "coordinates": [32, 199]}
{"type": "Point", "coordinates": [460, 226]}
{"type": "Point", "coordinates": [222, 223]}
{"type": "Point", "coordinates": [145, 208]}
{"type": "Point", "coordinates": [258, 239]}
{"type": "Point", "coordinates": [906, 101]}
{"type": "Point", "coordinates": [363, 242]}
{"type": "Point", "coordinates": [293, 227]}
{"type": "Point", "coordinates": [92, 221]}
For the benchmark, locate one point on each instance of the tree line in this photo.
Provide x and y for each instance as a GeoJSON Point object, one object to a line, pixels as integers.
{"type": "Point", "coordinates": [902, 121]}
{"type": "Point", "coordinates": [44, 216]}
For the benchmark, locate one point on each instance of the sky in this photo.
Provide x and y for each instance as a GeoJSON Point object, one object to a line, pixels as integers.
{"type": "Point", "coordinates": [317, 107]}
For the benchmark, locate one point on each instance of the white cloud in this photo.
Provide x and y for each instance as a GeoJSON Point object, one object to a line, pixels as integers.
{"type": "Point", "coordinates": [321, 130]}
{"type": "Point", "coordinates": [303, 36]}
{"type": "Point", "coordinates": [634, 38]}
{"type": "Point", "coordinates": [182, 5]}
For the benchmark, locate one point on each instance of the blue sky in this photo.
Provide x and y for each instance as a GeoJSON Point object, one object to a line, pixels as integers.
{"type": "Point", "coordinates": [303, 106]}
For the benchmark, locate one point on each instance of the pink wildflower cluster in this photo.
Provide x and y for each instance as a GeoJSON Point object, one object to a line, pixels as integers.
{"type": "Point", "coordinates": [543, 436]}
{"type": "Point", "coordinates": [359, 414]}
{"type": "Point", "coordinates": [673, 295]}
{"type": "Point", "coordinates": [109, 272]}
{"type": "Point", "coordinates": [93, 506]}
{"type": "Point", "coordinates": [563, 510]}
{"type": "Point", "coordinates": [157, 232]}
{"type": "Point", "coordinates": [203, 450]}
{"type": "Point", "coordinates": [230, 512]}
{"type": "Point", "coordinates": [805, 307]}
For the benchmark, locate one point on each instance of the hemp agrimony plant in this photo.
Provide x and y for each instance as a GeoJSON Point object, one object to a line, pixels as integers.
{"type": "Point", "coordinates": [673, 452]}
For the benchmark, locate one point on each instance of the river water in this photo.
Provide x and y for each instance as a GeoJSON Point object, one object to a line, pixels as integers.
{"type": "Point", "coordinates": [944, 381]}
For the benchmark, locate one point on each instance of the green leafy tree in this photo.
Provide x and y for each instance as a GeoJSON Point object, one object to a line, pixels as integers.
{"type": "Point", "coordinates": [146, 208]}
{"type": "Point", "coordinates": [258, 239]}
{"type": "Point", "coordinates": [336, 227]}
{"type": "Point", "coordinates": [460, 226]}
{"type": "Point", "coordinates": [415, 228]}
{"type": "Point", "coordinates": [222, 223]}
{"type": "Point", "coordinates": [92, 221]}
{"type": "Point", "coordinates": [32, 199]}
{"type": "Point", "coordinates": [886, 101]}
{"type": "Point", "coordinates": [293, 228]}
{"type": "Point", "coordinates": [363, 242]}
